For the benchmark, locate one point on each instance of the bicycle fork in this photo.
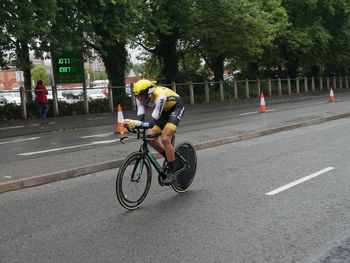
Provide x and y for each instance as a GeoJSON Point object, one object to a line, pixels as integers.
{"type": "Point", "coordinates": [136, 175]}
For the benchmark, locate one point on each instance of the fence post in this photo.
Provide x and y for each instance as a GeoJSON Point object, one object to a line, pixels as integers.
{"type": "Point", "coordinates": [173, 86]}
{"type": "Point", "coordinates": [313, 84]}
{"type": "Point", "coordinates": [191, 93]}
{"type": "Point", "coordinates": [297, 84]}
{"type": "Point", "coordinates": [334, 83]}
{"type": "Point", "coordinates": [279, 87]}
{"type": "Point", "coordinates": [246, 89]}
{"type": "Point", "coordinates": [23, 103]}
{"type": "Point", "coordinates": [269, 87]}
{"type": "Point", "coordinates": [222, 98]}
{"type": "Point", "coordinates": [206, 91]}
{"type": "Point", "coordinates": [305, 85]}
{"type": "Point", "coordinates": [347, 82]}
{"type": "Point", "coordinates": [55, 101]}
{"type": "Point", "coordinates": [259, 88]}
{"type": "Point", "coordinates": [340, 82]}
{"type": "Point", "coordinates": [321, 83]}
{"type": "Point", "coordinates": [86, 102]}
{"type": "Point", "coordinates": [110, 98]}
{"type": "Point", "coordinates": [328, 85]}
{"type": "Point", "coordinates": [289, 87]}
{"type": "Point", "coordinates": [235, 90]}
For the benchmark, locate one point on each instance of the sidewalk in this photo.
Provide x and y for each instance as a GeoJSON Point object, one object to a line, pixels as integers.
{"type": "Point", "coordinates": [203, 135]}
{"type": "Point", "coordinates": [64, 123]}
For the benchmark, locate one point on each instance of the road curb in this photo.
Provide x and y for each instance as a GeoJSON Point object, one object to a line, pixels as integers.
{"type": "Point", "coordinates": [98, 167]}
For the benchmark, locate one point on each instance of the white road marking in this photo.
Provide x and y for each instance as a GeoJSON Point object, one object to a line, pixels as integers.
{"type": "Point", "coordinates": [69, 147]}
{"type": "Point", "coordinates": [11, 127]}
{"type": "Point", "coordinates": [254, 112]}
{"type": "Point", "coordinates": [97, 135]}
{"type": "Point", "coordinates": [96, 118]}
{"type": "Point", "coordinates": [33, 125]}
{"type": "Point", "coordinates": [248, 113]}
{"type": "Point", "coordinates": [301, 180]}
{"type": "Point", "coordinates": [20, 140]}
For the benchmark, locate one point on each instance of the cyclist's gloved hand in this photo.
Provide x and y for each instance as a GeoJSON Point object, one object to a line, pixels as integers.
{"type": "Point", "coordinates": [132, 124]}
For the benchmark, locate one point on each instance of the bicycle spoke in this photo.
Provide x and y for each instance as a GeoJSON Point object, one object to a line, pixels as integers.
{"type": "Point", "coordinates": [133, 181]}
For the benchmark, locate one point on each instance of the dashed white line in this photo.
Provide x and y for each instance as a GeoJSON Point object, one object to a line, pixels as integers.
{"type": "Point", "coordinates": [11, 127]}
{"type": "Point", "coordinates": [20, 140]}
{"type": "Point", "coordinates": [96, 118]}
{"type": "Point", "coordinates": [301, 180]}
{"type": "Point", "coordinates": [254, 112]}
{"type": "Point", "coordinates": [248, 113]}
{"type": "Point", "coordinates": [69, 147]}
{"type": "Point", "coordinates": [97, 135]}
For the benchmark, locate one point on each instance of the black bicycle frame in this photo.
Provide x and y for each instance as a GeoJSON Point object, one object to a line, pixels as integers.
{"type": "Point", "coordinates": [146, 153]}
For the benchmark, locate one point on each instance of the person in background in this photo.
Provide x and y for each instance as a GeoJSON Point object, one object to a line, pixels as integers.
{"type": "Point", "coordinates": [41, 99]}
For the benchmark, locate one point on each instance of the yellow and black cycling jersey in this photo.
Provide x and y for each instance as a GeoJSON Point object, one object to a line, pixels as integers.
{"type": "Point", "coordinates": [162, 99]}
{"type": "Point", "coordinates": [168, 109]}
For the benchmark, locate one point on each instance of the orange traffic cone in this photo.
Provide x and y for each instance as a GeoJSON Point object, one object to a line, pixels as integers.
{"type": "Point", "coordinates": [331, 96]}
{"type": "Point", "coordinates": [120, 127]}
{"type": "Point", "coordinates": [262, 103]}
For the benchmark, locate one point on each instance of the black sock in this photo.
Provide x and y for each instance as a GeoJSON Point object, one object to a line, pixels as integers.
{"type": "Point", "coordinates": [171, 166]}
{"type": "Point", "coordinates": [163, 153]}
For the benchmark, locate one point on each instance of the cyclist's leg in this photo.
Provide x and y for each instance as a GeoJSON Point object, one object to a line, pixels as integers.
{"type": "Point", "coordinates": [155, 143]}
{"type": "Point", "coordinates": [170, 129]}
{"type": "Point", "coordinates": [167, 135]}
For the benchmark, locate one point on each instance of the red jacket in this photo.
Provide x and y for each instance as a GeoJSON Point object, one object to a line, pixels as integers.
{"type": "Point", "coordinates": [41, 93]}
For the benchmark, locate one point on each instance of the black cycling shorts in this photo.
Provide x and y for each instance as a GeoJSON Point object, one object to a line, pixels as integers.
{"type": "Point", "coordinates": [170, 118]}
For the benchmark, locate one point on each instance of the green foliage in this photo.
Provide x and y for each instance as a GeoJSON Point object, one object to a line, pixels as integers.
{"type": "Point", "coordinates": [24, 24]}
{"type": "Point", "coordinates": [10, 112]}
{"type": "Point", "coordinates": [39, 73]}
{"type": "Point", "coordinates": [183, 40]}
{"type": "Point", "coordinates": [236, 30]}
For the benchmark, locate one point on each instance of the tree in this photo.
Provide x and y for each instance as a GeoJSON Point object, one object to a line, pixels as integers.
{"type": "Point", "coordinates": [236, 30]}
{"type": "Point", "coordinates": [24, 25]}
{"type": "Point", "coordinates": [164, 29]}
{"type": "Point", "coordinates": [40, 73]}
{"type": "Point", "coordinates": [109, 28]}
{"type": "Point", "coordinates": [317, 36]}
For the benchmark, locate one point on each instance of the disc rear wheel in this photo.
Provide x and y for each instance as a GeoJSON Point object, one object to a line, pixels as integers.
{"type": "Point", "coordinates": [185, 166]}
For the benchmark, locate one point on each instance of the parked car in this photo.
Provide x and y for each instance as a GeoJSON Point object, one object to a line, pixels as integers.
{"type": "Point", "coordinates": [95, 94]}
{"type": "Point", "coordinates": [73, 95]}
{"type": "Point", "coordinates": [128, 90]}
{"type": "Point", "coordinates": [59, 96]}
{"type": "Point", "coordinates": [104, 89]}
{"type": "Point", "coordinates": [10, 97]}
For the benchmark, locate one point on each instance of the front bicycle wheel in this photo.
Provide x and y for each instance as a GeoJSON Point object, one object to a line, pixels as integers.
{"type": "Point", "coordinates": [133, 181]}
{"type": "Point", "coordinates": [185, 166]}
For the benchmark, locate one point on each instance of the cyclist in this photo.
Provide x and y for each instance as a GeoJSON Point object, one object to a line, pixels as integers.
{"type": "Point", "coordinates": [167, 113]}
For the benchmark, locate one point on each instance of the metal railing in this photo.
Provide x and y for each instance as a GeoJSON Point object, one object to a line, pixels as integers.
{"type": "Point", "coordinates": [192, 92]}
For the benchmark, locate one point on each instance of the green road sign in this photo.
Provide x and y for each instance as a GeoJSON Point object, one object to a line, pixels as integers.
{"type": "Point", "coordinates": [68, 68]}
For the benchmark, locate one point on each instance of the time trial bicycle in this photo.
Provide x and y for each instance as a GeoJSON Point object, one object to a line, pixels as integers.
{"type": "Point", "coordinates": [135, 175]}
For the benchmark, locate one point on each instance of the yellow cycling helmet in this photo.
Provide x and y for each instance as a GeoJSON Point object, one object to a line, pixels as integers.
{"type": "Point", "coordinates": [143, 87]}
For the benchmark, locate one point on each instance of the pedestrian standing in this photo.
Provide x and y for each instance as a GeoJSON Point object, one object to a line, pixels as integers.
{"type": "Point", "coordinates": [41, 99]}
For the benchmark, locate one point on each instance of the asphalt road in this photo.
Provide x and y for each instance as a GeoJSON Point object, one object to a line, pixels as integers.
{"type": "Point", "coordinates": [232, 213]}
{"type": "Point", "coordinates": [41, 153]}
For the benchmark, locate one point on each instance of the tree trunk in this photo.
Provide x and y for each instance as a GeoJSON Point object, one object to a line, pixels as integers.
{"type": "Point", "coordinates": [115, 57]}
{"type": "Point", "coordinates": [167, 54]}
{"type": "Point", "coordinates": [218, 68]}
{"type": "Point", "coordinates": [24, 64]}
{"type": "Point", "coordinates": [292, 68]}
